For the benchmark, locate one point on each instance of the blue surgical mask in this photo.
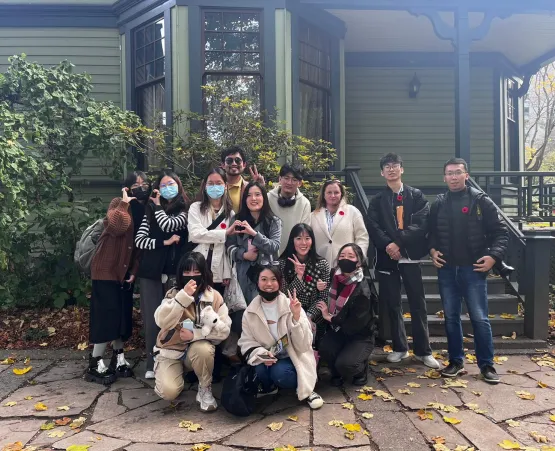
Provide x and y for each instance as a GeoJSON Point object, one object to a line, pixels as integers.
{"type": "Point", "coordinates": [215, 191]}
{"type": "Point", "coordinates": [169, 192]}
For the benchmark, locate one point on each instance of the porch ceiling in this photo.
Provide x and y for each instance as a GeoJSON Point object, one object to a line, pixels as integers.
{"type": "Point", "coordinates": [522, 38]}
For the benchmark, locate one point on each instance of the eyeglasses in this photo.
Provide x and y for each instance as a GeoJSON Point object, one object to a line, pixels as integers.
{"type": "Point", "coordinates": [392, 167]}
{"type": "Point", "coordinates": [454, 173]}
{"type": "Point", "coordinates": [236, 160]}
{"type": "Point", "coordinates": [144, 186]}
{"type": "Point", "coordinates": [168, 184]}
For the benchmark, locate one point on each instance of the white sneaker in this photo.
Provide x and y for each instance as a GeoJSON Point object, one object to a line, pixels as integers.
{"type": "Point", "coordinates": [315, 401]}
{"type": "Point", "coordinates": [149, 375]}
{"type": "Point", "coordinates": [429, 361]}
{"type": "Point", "coordinates": [395, 357]}
{"type": "Point", "coordinates": [206, 399]}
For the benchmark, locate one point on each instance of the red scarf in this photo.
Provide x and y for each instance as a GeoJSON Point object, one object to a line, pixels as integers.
{"type": "Point", "coordinates": [337, 302]}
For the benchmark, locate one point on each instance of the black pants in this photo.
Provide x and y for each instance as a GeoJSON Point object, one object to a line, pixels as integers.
{"type": "Point", "coordinates": [390, 298]}
{"type": "Point", "coordinates": [346, 356]}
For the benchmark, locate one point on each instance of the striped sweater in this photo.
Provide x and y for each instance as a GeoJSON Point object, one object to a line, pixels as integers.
{"type": "Point", "coordinates": [169, 224]}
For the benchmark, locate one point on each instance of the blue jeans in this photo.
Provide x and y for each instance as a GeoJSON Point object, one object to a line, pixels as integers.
{"type": "Point", "coordinates": [281, 374]}
{"type": "Point", "coordinates": [456, 283]}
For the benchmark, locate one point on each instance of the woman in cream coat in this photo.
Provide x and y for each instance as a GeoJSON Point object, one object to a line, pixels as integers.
{"type": "Point", "coordinates": [278, 337]}
{"type": "Point", "coordinates": [336, 223]}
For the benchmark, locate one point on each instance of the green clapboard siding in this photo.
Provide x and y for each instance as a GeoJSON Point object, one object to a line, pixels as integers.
{"type": "Point", "coordinates": [380, 117]}
{"type": "Point", "coordinates": [92, 50]}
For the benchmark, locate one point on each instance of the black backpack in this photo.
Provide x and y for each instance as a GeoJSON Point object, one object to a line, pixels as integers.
{"type": "Point", "coordinates": [240, 389]}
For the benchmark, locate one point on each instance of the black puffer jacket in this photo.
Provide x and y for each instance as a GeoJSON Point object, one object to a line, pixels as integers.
{"type": "Point", "coordinates": [382, 226]}
{"type": "Point", "coordinates": [487, 235]}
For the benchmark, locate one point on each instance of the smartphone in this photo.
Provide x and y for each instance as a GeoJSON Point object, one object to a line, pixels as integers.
{"type": "Point", "coordinates": [188, 324]}
{"type": "Point", "coordinates": [267, 358]}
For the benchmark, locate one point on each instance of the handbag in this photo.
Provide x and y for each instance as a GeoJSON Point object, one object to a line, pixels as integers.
{"type": "Point", "coordinates": [190, 246]}
{"type": "Point", "coordinates": [240, 388]}
{"type": "Point", "coordinates": [233, 295]}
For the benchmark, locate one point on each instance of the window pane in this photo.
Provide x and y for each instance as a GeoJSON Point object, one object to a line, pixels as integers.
{"type": "Point", "coordinates": [140, 57]}
{"type": "Point", "coordinates": [159, 49]}
{"type": "Point", "coordinates": [149, 53]}
{"type": "Point", "coordinates": [232, 61]}
{"type": "Point", "coordinates": [159, 30]}
{"type": "Point", "coordinates": [232, 22]}
{"type": "Point", "coordinates": [151, 109]}
{"type": "Point", "coordinates": [140, 38]}
{"type": "Point", "coordinates": [315, 114]}
{"type": "Point", "coordinates": [252, 61]}
{"type": "Point", "coordinates": [236, 87]}
{"type": "Point", "coordinates": [213, 41]}
{"type": "Point", "coordinates": [159, 68]}
{"type": "Point", "coordinates": [315, 50]}
{"type": "Point", "coordinates": [251, 22]}
{"type": "Point", "coordinates": [213, 61]}
{"type": "Point", "coordinates": [149, 34]}
{"type": "Point", "coordinates": [140, 77]}
{"type": "Point", "coordinates": [213, 21]}
{"type": "Point", "coordinates": [149, 70]}
{"type": "Point", "coordinates": [232, 41]}
{"type": "Point", "coordinates": [251, 41]}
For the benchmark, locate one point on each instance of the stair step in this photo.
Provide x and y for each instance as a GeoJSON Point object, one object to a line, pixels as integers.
{"type": "Point", "coordinates": [497, 303]}
{"type": "Point", "coordinates": [500, 326]}
{"type": "Point", "coordinates": [496, 285]}
{"type": "Point", "coordinates": [528, 345]}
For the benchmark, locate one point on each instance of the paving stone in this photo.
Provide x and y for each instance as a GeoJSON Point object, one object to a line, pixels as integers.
{"type": "Point", "coordinates": [12, 431]}
{"type": "Point", "coordinates": [77, 394]}
{"type": "Point", "coordinates": [331, 395]}
{"type": "Point", "coordinates": [138, 397]}
{"type": "Point", "coordinates": [270, 405]}
{"type": "Point", "coordinates": [107, 407]}
{"type": "Point", "coordinates": [519, 380]}
{"type": "Point", "coordinates": [10, 382]}
{"type": "Point", "coordinates": [126, 383]}
{"type": "Point", "coordinates": [502, 403]}
{"type": "Point", "coordinates": [257, 435]}
{"type": "Point", "coordinates": [139, 372]}
{"type": "Point", "coordinates": [63, 371]}
{"type": "Point", "coordinates": [4, 368]}
{"type": "Point", "coordinates": [546, 377]}
{"type": "Point", "coordinates": [422, 395]}
{"type": "Point", "coordinates": [522, 433]}
{"type": "Point", "coordinates": [43, 439]}
{"type": "Point", "coordinates": [542, 418]}
{"type": "Point", "coordinates": [394, 431]}
{"type": "Point", "coordinates": [163, 419]}
{"type": "Point", "coordinates": [376, 404]}
{"type": "Point", "coordinates": [327, 435]}
{"type": "Point", "coordinates": [481, 432]}
{"type": "Point", "coordinates": [520, 363]}
{"type": "Point", "coordinates": [437, 427]}
{"type": "Point", "coordinates": [153, 447]}
{"type": "Point", "coordinates": [88, 438]}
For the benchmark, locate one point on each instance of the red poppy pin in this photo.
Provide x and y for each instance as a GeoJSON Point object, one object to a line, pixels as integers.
{"type": "Point", "coordinates": [341, 213]}
{"type": "Point", "coordinates": [465, 210]}
{"type": "Point", "coordinates": [308, 278]}
{"type": "Point", "coordinates": [222, 225]}
{"type": "Point", "coordinates": [400, 197]}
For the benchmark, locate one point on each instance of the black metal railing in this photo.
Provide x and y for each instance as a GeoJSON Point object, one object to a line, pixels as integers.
{"type": "Point", "coordinates": [524, 196]}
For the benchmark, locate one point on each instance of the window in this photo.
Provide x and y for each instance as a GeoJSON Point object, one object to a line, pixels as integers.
{"type": "Point", "coordinates": [315, 82]}
{"type": "Point", "coordinates": [232, 50]}
{"type": "Point", "coordinates": [149, 77]}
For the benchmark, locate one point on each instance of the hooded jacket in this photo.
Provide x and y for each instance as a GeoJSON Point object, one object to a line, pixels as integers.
{"type": "Point", "coordinates": [290, 216]}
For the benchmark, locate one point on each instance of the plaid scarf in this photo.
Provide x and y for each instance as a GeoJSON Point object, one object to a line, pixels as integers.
{"type": "Point", "coordinates": [348, 285]}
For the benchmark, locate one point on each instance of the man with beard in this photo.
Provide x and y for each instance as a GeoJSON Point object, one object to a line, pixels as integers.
{"type": "Point", "coordinates": [234, 164]}
{"type": "Point", "coordinates": [288, 203]}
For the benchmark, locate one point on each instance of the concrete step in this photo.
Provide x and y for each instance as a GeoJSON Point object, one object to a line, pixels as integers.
{"type": "Point", "coordinates": [497, 303]}
{"type": "Point", "coordinates": [496, 285]}
{"type": "Point", "coordinates": [520, 344]}
{"type": "Point", "coordinates": [499, 326]}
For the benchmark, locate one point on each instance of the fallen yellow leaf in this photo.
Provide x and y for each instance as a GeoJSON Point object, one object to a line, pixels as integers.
{"type": "Point", "coordinates": [477, 393]}
{"type": "Point", "coordinates": [27, 361]}
{"type": "Point", "coordinates": [40, 406]}
{"type": "Point", "coordinates": [384, 395]}
{"type": "Point", "coordinates": [440, 447]}
{"type": "Point", "coordinates": [348, 406]}
{"type": "Point", "coordinates": [499, 360]}
{"type": "Point", "coordinates": [432, 385]}
{"type": "Point", "coordinates": [387, 371]}
{"type": "Point", "coordinates": [78, 447]}
{"type": "Point", "coordinates": [365, 397]}
{"type": "Point", "coordinates": [293, 418]}
{"type": "Point", "coordinates": [63, 421]}
{"type": "Point", "coordinates": [454, 383]}
{"type": "Point", "coordinates": [525, 395]}
{"type": "Point", "coordinates": [471, 358]}
{"type": "Point", "coordinates": [10, 404]}
{"type": "Point", "coordinates": [411, 370]}
{"type": "Point", "coordinates": [425, 415]}
{"type": "Point", "coordinates": [552, 418]}
{"type": "Point", "coordinates": [373, 363]}
{"type": "Point", "coordinates": [512, 337]}
{"type": "Point", "coordinates": [352, 427]}
{"type": "Point", "coordinates": [413, 385]}
{"type": "Point", "coordinates": [432, 374]}
{"type": "Point", "coordinates": [405, 391]}
{"type": "Point", "coordinates": [350, 435]}
{"type": "Point", "coordinates": [538, 437]}
{"type": "Point", "coordinates": [28, 398]}
{"type": "Point", "coordinates": [512, 423]}
{"type": "Point", "coordinates": [406, 315]}
{"type": "Point", "coordinates": [57, 434]}
{"type": "Point", "coordinates": [542, 384]}
{"type": "Point", "coordinates": [439, 440]}
{"type": "Point", "coordinates": [83, 346]}
{"type": "Point", "coordinates": [365, 432]}
{"type": "Point", "coordinates": [444, 407]}
{"type": "Point", "coordinates": [62, 408]}
{"type": "Point", "coordinates": [47, 426]}
{"type": "Point", "coordinates": [507, 316]}
{"type": "Point", "coordinates": [508, 444]}
{"type": "Point", "coordinates": [336, 423]}
{"type": "Point", "coordinates": [16, 446]}
{"type": "Point", "coordinates": [20, 371]}
{"type": "Point", "coordinates": [43, 344]}
{"type": "Point", "coordinates": [77, 423]}
{"type": "Point", "coordinates": [451, 420]}
{"type": "Point", "coordinates": [287, 448]}
{"type": "Point", "coordinates": [275, 426]}
{"type": "Point", "coordinates": [387, 348]}
{"type": "Point", "coordinates": [367, 415]}
{"type": "Point", "coordinates": [440, 314]}
{"type": "Point", "coordinates": [200, 447]}
{"type": "Point", "coordinates": [7, 361]}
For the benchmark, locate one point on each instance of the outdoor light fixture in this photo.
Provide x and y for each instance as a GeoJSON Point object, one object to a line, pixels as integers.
{"type": "Point", "coordinates": [414, 87]}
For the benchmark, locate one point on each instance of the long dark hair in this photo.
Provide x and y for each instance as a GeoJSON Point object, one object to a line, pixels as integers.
{"type": "Point", "coordinates": [266, 214]}
{"type": "Point", "coordinates": [274, 268]}
{"type": "Point", "coordinates": [205, 199]}
{"type": "Point", "coordinates": [132, 177]}
{"type": "Point", "coordinates": [174, 206]}
{"type": "Point", "coordinates": [190, 262]}
{"type": "Point", "coordinates": [289, 251]}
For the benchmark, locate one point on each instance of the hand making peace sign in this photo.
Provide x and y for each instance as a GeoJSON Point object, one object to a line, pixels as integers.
{"type": "Point", "coordinates": [299, 267]}
{"type": "Point", "coordinates": [256, 176]}
{"type": "Point", "coordinates": [295, 305]}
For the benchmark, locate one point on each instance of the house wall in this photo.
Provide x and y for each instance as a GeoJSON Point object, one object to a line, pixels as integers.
{"type": "Point", "coordinates": [92, 50]}
{"type": "Point", "coordinates": [381, 117]}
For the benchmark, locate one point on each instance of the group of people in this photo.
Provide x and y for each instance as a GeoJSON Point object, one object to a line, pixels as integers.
{"type": "Point", "coordinates": [246, 273]}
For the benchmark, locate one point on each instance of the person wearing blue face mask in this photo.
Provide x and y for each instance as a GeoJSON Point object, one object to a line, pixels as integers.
{"type": "Point", "coordinates": [161, 237]}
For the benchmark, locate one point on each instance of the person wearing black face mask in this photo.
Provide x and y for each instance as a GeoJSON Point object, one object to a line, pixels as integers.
{"type": "Point", "coordinates": [349, 341]}
{"type": "Point", "coordinates": [181, 345]}
{"type": "Point", "coordinates": [288, 202]}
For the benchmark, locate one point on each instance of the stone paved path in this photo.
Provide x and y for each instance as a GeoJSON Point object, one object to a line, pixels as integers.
{"type": "Point", "coordinates": [129, 416]}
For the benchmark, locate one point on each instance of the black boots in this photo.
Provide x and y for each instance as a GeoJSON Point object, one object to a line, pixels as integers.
{"type": "Point", "coordinates": [361, 378]}
{"type": "Point", "coordinates": [119, 365]}
{"type": "Point", "coordinates": [98, 372]}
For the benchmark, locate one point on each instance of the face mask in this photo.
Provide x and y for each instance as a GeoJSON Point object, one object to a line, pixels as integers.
{"type": "Point", "coordinates": [169, 192]}
{"type": "Point", "coordinates": [197, 279]}
{"type": "Point", "coordinates": [215, 191]}
{"type": "Point", "coordinates": [347, 266]}
{"type": "Point", "coordinates": [268, 295]}
{"type": "Point", "coordinates": [140, 194]}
